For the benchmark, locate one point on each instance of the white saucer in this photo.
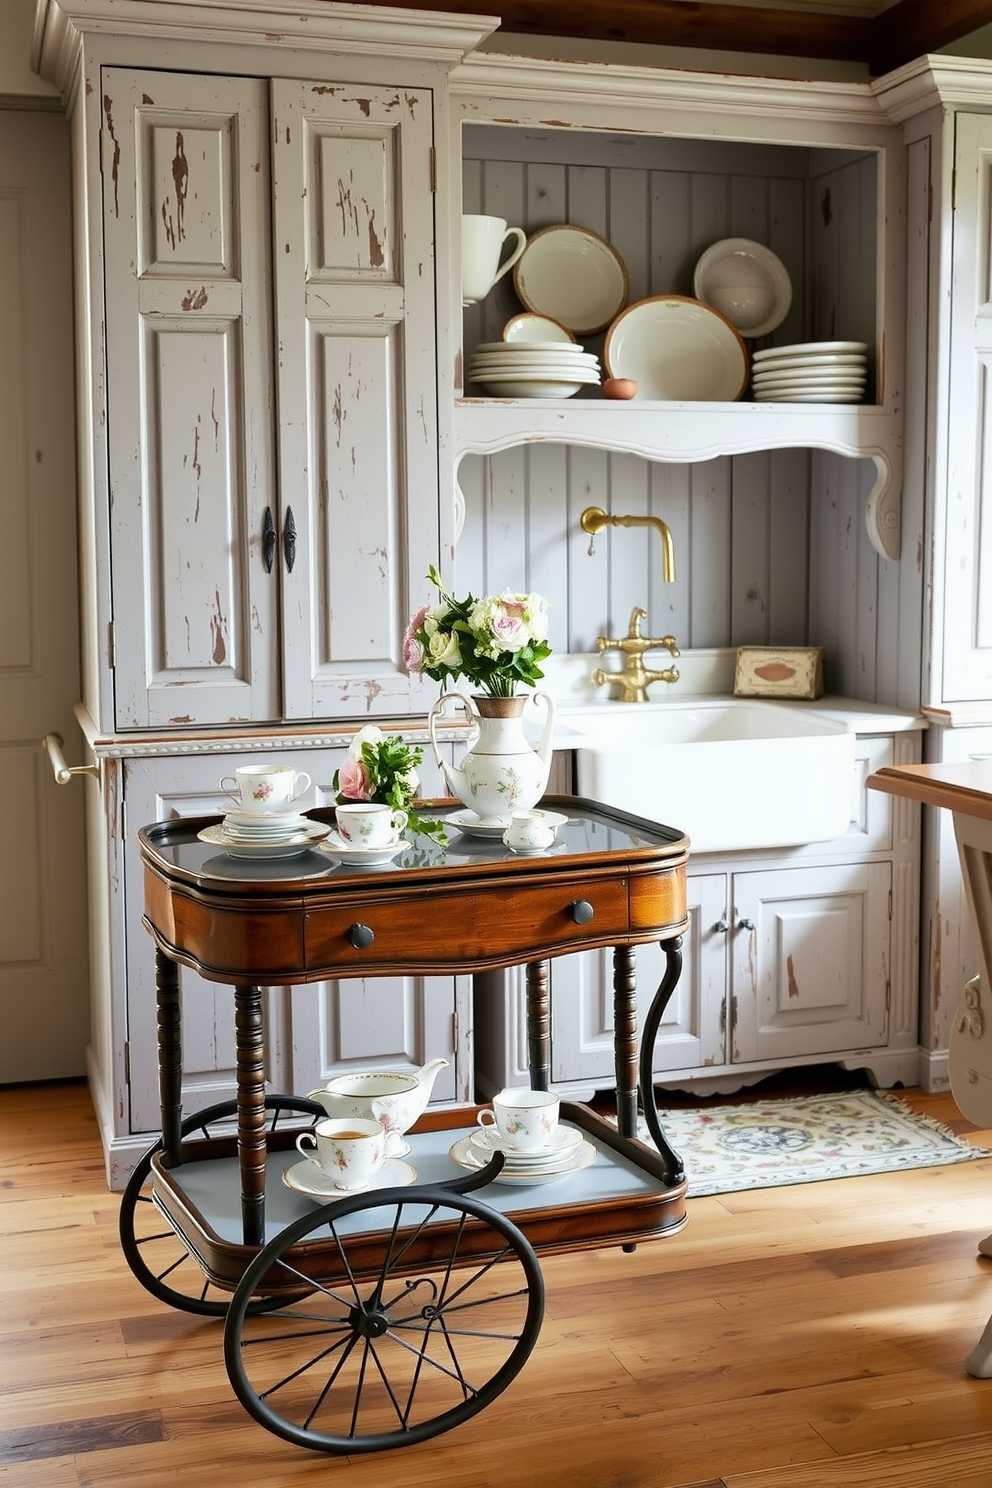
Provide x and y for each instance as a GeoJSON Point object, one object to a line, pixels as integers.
{"type": "Point", "coordinates": [300, 842]}
{"type": "Point", "coordinates": [565, 1139]}
{"type": "Point", "coordinates": [465, 1153]}
{"type": "Point", "coordinates": [362, 856]}
{"type": "Point", "coordinates": [305, 1178]}
{"type": "Point", "coordinates": [474, 825]}
{"type": "Point", "coordinates": [534, 852]}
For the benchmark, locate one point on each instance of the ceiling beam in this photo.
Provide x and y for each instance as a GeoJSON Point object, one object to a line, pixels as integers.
{"type": "Point", "coordinates": [912, 28]}
{"type": "Point", "coordinates": [679, 23]}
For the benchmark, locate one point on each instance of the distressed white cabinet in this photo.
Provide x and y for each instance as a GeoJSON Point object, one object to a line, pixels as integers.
{"type": "Point", "coordinates": [790, 958]}
{"type": "Point", "coordinates": [273, 512]}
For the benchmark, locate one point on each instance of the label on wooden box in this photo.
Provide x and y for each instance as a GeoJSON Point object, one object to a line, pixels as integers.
{"type": "Point", "coordinates": [779, 671]}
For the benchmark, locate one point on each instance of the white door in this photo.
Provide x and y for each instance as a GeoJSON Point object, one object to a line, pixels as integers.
{"type": "Point", "coordinates": [44, 981]}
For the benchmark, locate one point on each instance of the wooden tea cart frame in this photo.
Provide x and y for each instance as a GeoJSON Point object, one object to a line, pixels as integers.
{"type": "Point", "coordinates": [612, 880]}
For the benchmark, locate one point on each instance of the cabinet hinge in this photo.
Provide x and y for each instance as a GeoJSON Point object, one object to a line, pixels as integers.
{"type": "Point", "coordinates": [454, 1030]}
{"type": "Point", "coordinates": [112, 644]}
{"type": "Point", "coordinates": [890, 904]}
{"type": "Point", "coordinates": [733, 1014]}
{"type": "Point", "coordinates": [888, 996]}
{"type": "Point", "coordinates": [127, 1063]}
{"type": "Point", "coordinates": [123, 820]}
{"type": "Point", "coordinates": [954, 189]}
{"type": "Point", "coordinates": [433, 168]}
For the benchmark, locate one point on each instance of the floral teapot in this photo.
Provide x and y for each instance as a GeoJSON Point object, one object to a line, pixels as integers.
{"type": "Point", "coordinates": [502, 772]}
{"type": "Point", "coordinates": [396, 1100]}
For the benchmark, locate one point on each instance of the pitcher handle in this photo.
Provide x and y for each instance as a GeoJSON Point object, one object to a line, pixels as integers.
{"type": "Point", "coordinates": [437, 711]}
{"type": "Point", "coordinates": [547, 733]}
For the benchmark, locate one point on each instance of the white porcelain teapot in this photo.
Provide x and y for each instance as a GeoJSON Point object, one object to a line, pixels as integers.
{"type": "Point", "coordinates": [395, 1099]}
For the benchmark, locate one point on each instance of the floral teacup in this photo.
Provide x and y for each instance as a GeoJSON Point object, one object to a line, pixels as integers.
{"type": "Point", "coordinates": [524, 1120]}
{"type": "Point", "coordinates": [368, 824]}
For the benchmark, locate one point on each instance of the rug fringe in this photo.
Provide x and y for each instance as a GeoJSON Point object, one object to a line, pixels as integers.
{"type": "Point", "coordinates": [940, 1127]}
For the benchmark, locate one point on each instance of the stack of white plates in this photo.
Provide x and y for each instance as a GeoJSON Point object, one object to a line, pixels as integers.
{"type": "Point", "coordinates": [533, 369]}
{"type": "Point", "coordinates": [264, 826]}
{"type": "Point", "coordinates": [567, 1152]}
{"type": "Point", "coordinates": [811, 372]}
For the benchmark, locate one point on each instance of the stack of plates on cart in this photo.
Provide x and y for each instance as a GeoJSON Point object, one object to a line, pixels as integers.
{"type": "Point", "coordinates": [567, 1152]}
{"type": "Point", "coordinates": [264, 834]}
{"type": "Point", "coordinates": [533, 369]}
{"type": "Point", "coordinates": [811, 372]}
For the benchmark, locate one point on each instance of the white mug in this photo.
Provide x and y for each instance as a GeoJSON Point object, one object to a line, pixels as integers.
{"type": "Point", "coordinates": [369, 824]}
{"type": "Point", "coordinates": [523, 1120]}
{"type": "Point", "coordinates": [349, 1151]}
{"type": "Point", "coordinates": [529, 831]}
{"type": "Point", "coordinates": [482, 244]}
{"type": "Point", "coordinates": [260, 788]}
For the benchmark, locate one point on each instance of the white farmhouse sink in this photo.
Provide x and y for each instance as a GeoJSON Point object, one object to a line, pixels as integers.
{"type": "Point", "coordinates": [732, 773]}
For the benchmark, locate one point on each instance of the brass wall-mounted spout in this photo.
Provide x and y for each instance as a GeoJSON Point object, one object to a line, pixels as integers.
{"type": "Point", "coordinates": [594, 519]}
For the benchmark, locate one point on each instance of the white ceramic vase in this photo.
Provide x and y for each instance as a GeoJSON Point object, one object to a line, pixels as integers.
{"type": "Point", "coordinates": [502, 772]}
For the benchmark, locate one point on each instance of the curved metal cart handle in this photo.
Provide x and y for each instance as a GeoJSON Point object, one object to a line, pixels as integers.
{"type": "Point", "coordinates": [52, 745]}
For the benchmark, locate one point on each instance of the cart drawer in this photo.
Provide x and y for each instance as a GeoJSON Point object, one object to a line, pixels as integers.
{"type": "Point", "coordinates": [466, 927]}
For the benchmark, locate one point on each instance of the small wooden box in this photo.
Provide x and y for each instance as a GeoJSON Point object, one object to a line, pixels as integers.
{"type": "Point", "coordinates": [779, 671]}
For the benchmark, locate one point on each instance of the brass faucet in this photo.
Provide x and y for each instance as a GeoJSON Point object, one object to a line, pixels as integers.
{"type": "Point", "coordinates": [594, 519]}
{"type": "Point", "coordinates": [635, 679]}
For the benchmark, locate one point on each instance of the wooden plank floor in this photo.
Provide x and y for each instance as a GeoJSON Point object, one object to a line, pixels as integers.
{"type": "Point", "coordinates": [805, 1337]}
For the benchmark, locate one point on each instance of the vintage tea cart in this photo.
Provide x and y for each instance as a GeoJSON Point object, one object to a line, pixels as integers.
{"type": "Point", "coordinates": [384, 1317]}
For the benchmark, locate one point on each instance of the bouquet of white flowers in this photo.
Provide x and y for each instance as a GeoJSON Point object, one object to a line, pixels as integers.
{"type": "Point", "coordinates": [494, 642]}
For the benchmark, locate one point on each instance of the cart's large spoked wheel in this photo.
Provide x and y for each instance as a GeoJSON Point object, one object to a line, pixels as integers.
{"type": "Point", "coordinates": [159, 1258]}
{"type": "Point", "coordinates": [425, 1305]}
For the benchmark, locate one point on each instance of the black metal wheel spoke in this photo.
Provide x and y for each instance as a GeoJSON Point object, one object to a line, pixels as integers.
{"type": "Point", "coordinates": [424, 1304]}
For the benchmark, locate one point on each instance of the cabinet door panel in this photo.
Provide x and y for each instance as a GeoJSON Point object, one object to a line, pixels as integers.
{"type": "Point", "coordinates": [357, 388]}
{"type": "Point", "coordinates": [191, 462]}
{"type": "Point", "coordinates": [811, 975]}
{"type": "Point", "coordinates": [391, 1023]}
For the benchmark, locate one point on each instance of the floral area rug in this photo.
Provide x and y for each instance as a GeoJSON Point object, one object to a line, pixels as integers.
{"type": "Point", "coordinates": [804, 1140]}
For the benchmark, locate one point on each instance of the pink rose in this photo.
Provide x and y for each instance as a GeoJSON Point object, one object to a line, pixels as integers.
{"type": "Point", "coordinates": [353, 780]}
{"type": "Point", "coordinates": [413, 652]}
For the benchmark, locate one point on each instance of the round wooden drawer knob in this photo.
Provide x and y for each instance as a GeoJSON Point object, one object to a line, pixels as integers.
{"type": "Point", "coordinates": [582, 911]}
{"type": "Point", "coordinates": [361, 937]}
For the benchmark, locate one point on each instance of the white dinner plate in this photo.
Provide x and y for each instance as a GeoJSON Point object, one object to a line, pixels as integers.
{"type": "Point", "coordinates": [807, 397]}
{"type": "Point", "coordinates": [516, 358]}
{"type": "Point", "coordinates": [306, 1178]}
{"type": "Point", "coordinates": [300, 842]}
{"type": "Point", "coordinates": [480, 371]}
{"type": "Point", "coordinates": [367, 857]}
{"type": "Point", "coordinates": [466, 1155]}
{"type": "Point", "coordinates": [516, 348]}
{"type": "Point", "coordinates": [573, 276]}
{"type": "Point", "coordinates": [812, 348]}
{"type": "Point", "coordinates": [839, 360]}
{"type": "Point", "coordinates": [747, 283]}
{"type": "Point", "coordinates": [779, 384]}
{"type": "Point", "coordinates": [473, 825]}
{"type": "Point", "coordinates": [530, 387]}
{"type": "Point", "coordinates": [677, 350]}
{"type": "Point", "coordinates": [538, 328]}
{"type": "Point", "coordinates": [809, 374]}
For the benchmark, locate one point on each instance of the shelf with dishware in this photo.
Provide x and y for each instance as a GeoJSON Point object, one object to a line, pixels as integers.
{"type": "Point", "coordinates": [733, 264]}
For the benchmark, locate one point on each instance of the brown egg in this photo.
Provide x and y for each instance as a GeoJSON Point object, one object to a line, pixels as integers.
{"type": "Point", "coordinates": [619, 387]}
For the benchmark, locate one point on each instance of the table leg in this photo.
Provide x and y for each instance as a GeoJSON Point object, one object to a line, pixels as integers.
{"type": "Point", "coordinates": [251, 1110]}
{"type": "Point", "coordinates": [675, 1169]}
{"type": "Point", "coordinates": [538, 1024]}
{"type": "Point", "coordinates": [170, 1056]}
{"type": "Point", "coordinates": [625, 1037]}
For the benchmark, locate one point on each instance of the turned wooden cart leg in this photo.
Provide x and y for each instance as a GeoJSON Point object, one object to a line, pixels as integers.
{"type": "Point", "coordinates": [251, 1110]}
{"type": "Point", "coordinates": [170, 1056]}
{"type": "Point", "coordinates": [625, 1037]}
{"type": "Point", "coordinates": [538, 1024]}
{"type": "Point", "coordinates": [673, 956]}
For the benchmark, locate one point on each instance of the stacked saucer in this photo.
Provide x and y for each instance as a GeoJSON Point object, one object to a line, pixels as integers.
{"type": "Point", "coordinates": [533, 369]}
{"type": "Point", "coordinates": [264, 834]}
{"type": "Point", "coordinates": [811, 372]}
{"type": "Point", "coordinates": [265, 826]}
{"type": "Point", "coordinates": [567, 1152]}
